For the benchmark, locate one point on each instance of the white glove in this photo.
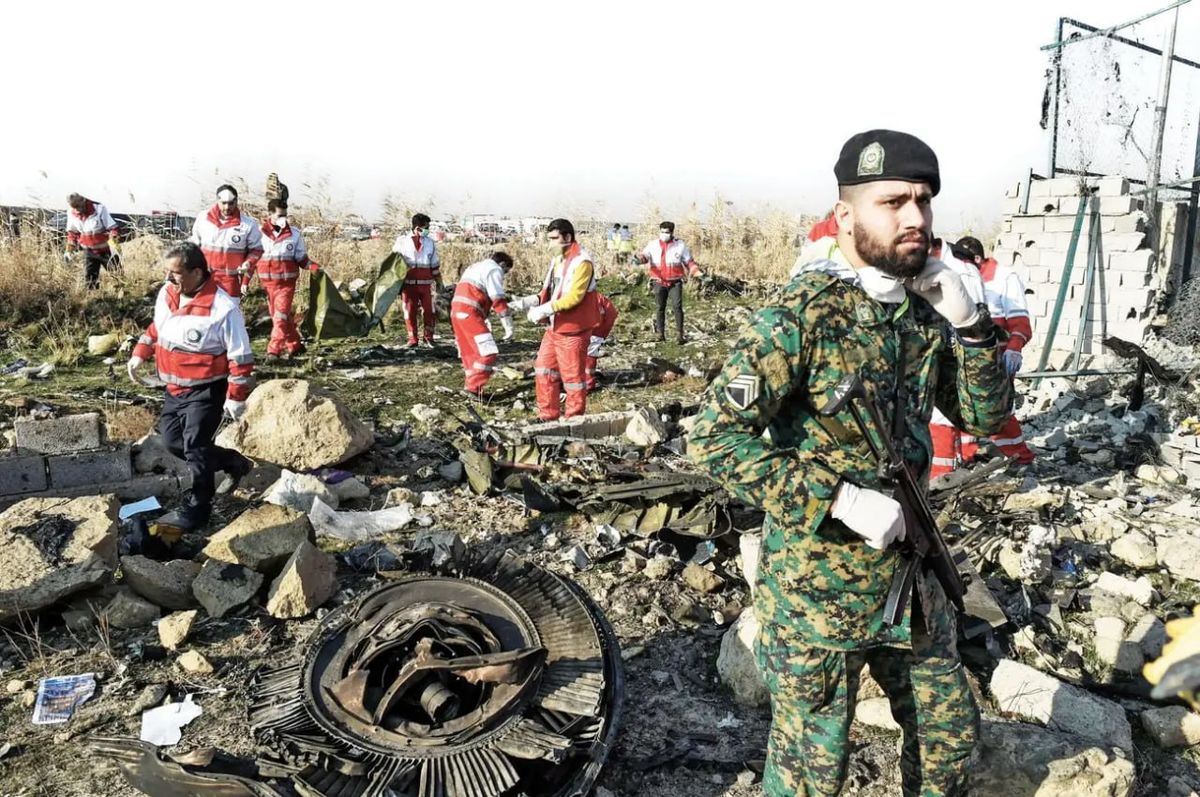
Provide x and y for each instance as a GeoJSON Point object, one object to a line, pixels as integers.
{"type": "Point", "coordinates": [594, 345]}
{"type": "Point", "coordinates": [1012, 361]}
{"type": "Point", "coordinates": [244, 268]}
{"type": "Point", "coordinates": [524, 303]}
{"type": "Point", "coordinates": [507, 323]}
{"type": "Point", "coordinates": [870, 514]}
{"type": "Point", "coordinates": [540, 313]}
{"type": "Point", "coordinates": [944, 289]}
{"type": "Point", "coordinates": [132, 367]}
{"type": "Point", "coordinates": [235, 409]}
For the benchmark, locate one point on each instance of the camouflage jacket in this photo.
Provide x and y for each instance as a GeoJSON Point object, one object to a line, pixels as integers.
{"type": "Point", "coordinates": [819, 583]}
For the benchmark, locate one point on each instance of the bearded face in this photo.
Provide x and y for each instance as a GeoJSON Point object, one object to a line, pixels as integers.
{"type": "Point", "coordinates": [900, 256]}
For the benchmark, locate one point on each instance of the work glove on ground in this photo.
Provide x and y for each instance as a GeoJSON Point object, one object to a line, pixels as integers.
{"type": "Point", "coordinates": [877, 518]}
{"type": "Point", "coordinates": [507, 323]}
{"type": "Point", "coordinates": [944, 290]}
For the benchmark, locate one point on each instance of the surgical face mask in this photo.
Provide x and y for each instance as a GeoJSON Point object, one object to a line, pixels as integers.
{"type": "Point", "coordinates": [280, 222]}
{"type": "Point", "coordinates": [423, 231]}
{"type": "Point", "coordinates": [664, 236]}
{"type": "Point", "coordinates": [555, 246]}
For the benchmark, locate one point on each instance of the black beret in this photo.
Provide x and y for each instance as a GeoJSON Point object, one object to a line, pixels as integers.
{"type": "Point", "coordinates": [887, 155]}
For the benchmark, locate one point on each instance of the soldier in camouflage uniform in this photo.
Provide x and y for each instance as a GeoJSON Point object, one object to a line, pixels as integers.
{"type": "Point", "coordinates": [879, 308]}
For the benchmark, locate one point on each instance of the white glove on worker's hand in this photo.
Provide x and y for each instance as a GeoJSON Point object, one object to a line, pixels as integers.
{"type": "Point", "coordinates": [594, 347]}
{"type": "Point", "coordinates": [524, 303]}
{"type": "Point", "coordinates": [507, 323]}
{"type": "Point", "coordinates": [870, 514]}
{"type": "Point", "coordinates": [235, 409]}
{"type": "Point", "coordinates": [540, 313]}
{"type": "Point", "coordinates": [132, 367]}
{"type": "Point", "coordinates": [944, 289]}
{"type": "Point", "coordinates": [244, 268]}
{"type": "Point", "coordinates": [1012, 361]}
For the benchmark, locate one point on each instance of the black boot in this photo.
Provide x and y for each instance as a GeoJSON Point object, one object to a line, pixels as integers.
{"type": "Point", "coordinates": [192, 515]}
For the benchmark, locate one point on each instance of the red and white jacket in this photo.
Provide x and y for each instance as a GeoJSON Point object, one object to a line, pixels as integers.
{"type": "Point", "coordinates": [1005, 294]}
{"type": "Point", "coordinates": [561, 281]}
{"type": "Point", "coordinates": [670, 261]}
{"type": "Point", "coordinates": [420, 254]}
{"type": "Point", "coordinates": [227, 244]}
{"type": "Point", "coordinates": [481, 289]}
{"type": "Point", "coordinates": [92, 228]}
{"type": "Point", "coordinates": [284, 254]}
{"type": "Point", "coordinates": [203, 341]}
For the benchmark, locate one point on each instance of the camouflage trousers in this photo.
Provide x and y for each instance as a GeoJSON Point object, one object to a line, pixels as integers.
{"type": "Point", "coordinates": [813, 693]}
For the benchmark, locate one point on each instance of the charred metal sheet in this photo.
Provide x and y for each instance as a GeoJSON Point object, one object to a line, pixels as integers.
{"type": "Point", "coordinates": [144, 770]}
{"type": "Point", "coordinates": [505, 681]}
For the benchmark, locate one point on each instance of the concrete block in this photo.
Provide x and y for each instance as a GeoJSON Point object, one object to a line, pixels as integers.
{"type": "Point", "coordinates": [1008, 240]}
{"type": "Point", "coordinates": [59, 435]}
{"type": "Point", "coordinates": [1124, 241]}
{"type": "Point", "coordinates": [1063, 186]}
{"type": "Point", "coordinates": [1112, 186]}
{"type": "Point", "coordinates": [1062, 240]}
{"type": "Point", "coordinates": [1118, 205]}
{"type": "Point", "coordinates": [1108, 224]}
{"type": "Point", "coordinates": [1028, 224]}
{"type": "Point", "coordinates": [102, 468]}
{"type": "Point", "coordinates": [1069, 207]}
{"type": "Point", "coordinates": [1060, 223]}
{"type": "Point", "coordinates": [1036, 275]}
{"type": "Point", "coordinates": [1039, 188]}
{"type": "Point", "coordinates": [1132, 222]}
{"type": "Point", "coordinates": [22, 474]}
{"type": "Point", "coordinates": [1011, 206]}
{"type": "Point", "coordinates": [1031, 255]}
{"type": "Point", "coordinates": [1127, 279]}
{"type": "Point", "coordinates": [1014, 190]}
{"type": "Point", "coordinates": [1043, 206]}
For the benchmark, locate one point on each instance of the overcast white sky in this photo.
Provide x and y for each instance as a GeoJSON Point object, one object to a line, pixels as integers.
{"type": "Point", "coordinates": [523, 107]}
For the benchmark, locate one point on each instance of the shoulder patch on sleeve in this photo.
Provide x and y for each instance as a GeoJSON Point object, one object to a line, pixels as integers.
{"type": "Point", "coordinates": [743, 390]}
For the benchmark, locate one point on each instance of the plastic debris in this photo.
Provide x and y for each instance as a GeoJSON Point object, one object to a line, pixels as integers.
{"type": "Point", "coordinates": [163, 726]}
{"type": "Point", "coordinates": [58, 697]}
{"type": "Point", "coordinates": [358, 526]}
{"type": "Point", "coordinates": [148, 504]}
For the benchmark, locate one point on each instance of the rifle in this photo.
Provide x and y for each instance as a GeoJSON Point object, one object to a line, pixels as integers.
{"type": "Point", "coordinates": [923, 541]}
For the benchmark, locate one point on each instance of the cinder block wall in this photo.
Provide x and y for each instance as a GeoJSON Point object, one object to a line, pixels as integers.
{"type": "Point", "coordinates": [1128, 285]}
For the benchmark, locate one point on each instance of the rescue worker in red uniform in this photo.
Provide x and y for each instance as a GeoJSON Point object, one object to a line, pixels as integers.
{"type": "Point", "coordinates": [569, 306]}
{"type": "Point", "coordinates": [608, 318]}
{"type": "Point", "coordinates": [1005, 295]}
{"type": "Point", "coordinates": [202, 354]}
{"type": "Point", "coordinates": [284, 254]}
{"type": "Point", "coordinates": [230, 240]}
{"type": "Point", "coordinates": [480, 291]}
{"type": "Point", "coordinates": [424, 271]}
{"type": "Point", "coordinates": [670, 263]}
{"type": "Point", "coordinates": [91, 227]}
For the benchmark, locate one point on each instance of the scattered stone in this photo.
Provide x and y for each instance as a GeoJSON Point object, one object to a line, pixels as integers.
{"type": "Point", "coordinates": [737, 663]}
{"type": "Point", "coordinates": [100, 345]}
{"type": "Point", "coordinates": [1140, 590]}
{"type": "Point", "coordinates": [451, 471]}
{"type": "Point", "coordinates": [876, 712]}
{"type": "Point", "coordinates": [425, 414]}
{"type": "Point", "coordinates": [261, 538]}
{"type": "Point", "coordinates": [350, 489]}
{"type": "Point", "coordinates": [148, 698]}
{"type": "Point", "coordinates": [16, 685]}
{"type": "Point", "coordinates": [173, 630]}
{"type": "Point", "coordinates": [1150, 635]}
{"type": "Point", "coordinates": [222, 586]}
{"type": "Point", "coordinates": [1021, 690]}
{"type": "Point", "coordinates": [1101, 458]}
{"type": "Point", "coordinates": [576, 555]}
{"type": "Point", "coordinates": [702, 579]}
{"type": "Point", "coordinates": [1136, 550]}
{"type": "Point", "coordinates": [658, 568]}
{"type": "Point", "coordinates": [1017, 760]}
{"type": "Point", "coordinates": [127, 610]}
{"type": "Point", "coordinates": [79, 621]}
{"type": "Point", "coordinates": [151, 455]}
{"type": "Point", "coordinates": [399, 495]}
{"type": "Point", "coordinates": [1179, 552]}
{"type": "Point", "coordinates": [51, 548]}
{"type": "Point", "coordinates": [308, 579]}
{"type": "Point", "coordinates": [1113, 649]}
{"type": "Point", "coordinates": [297, 425]}
{"type": "Point", "coordinates": [1172, 726]}
{"type": "Point", "coordinates": [168, 584]}
{"type": "Point", "coordinates": [479, 470]}
{"type": "Point", "coordinates": [749, 546]}
{"type": "Point", "coordinates": [645, 428]}
{"type": "Point", "coordinates": [1033, 500]}
{"type": "Point", "coordinates": [194, 662]}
